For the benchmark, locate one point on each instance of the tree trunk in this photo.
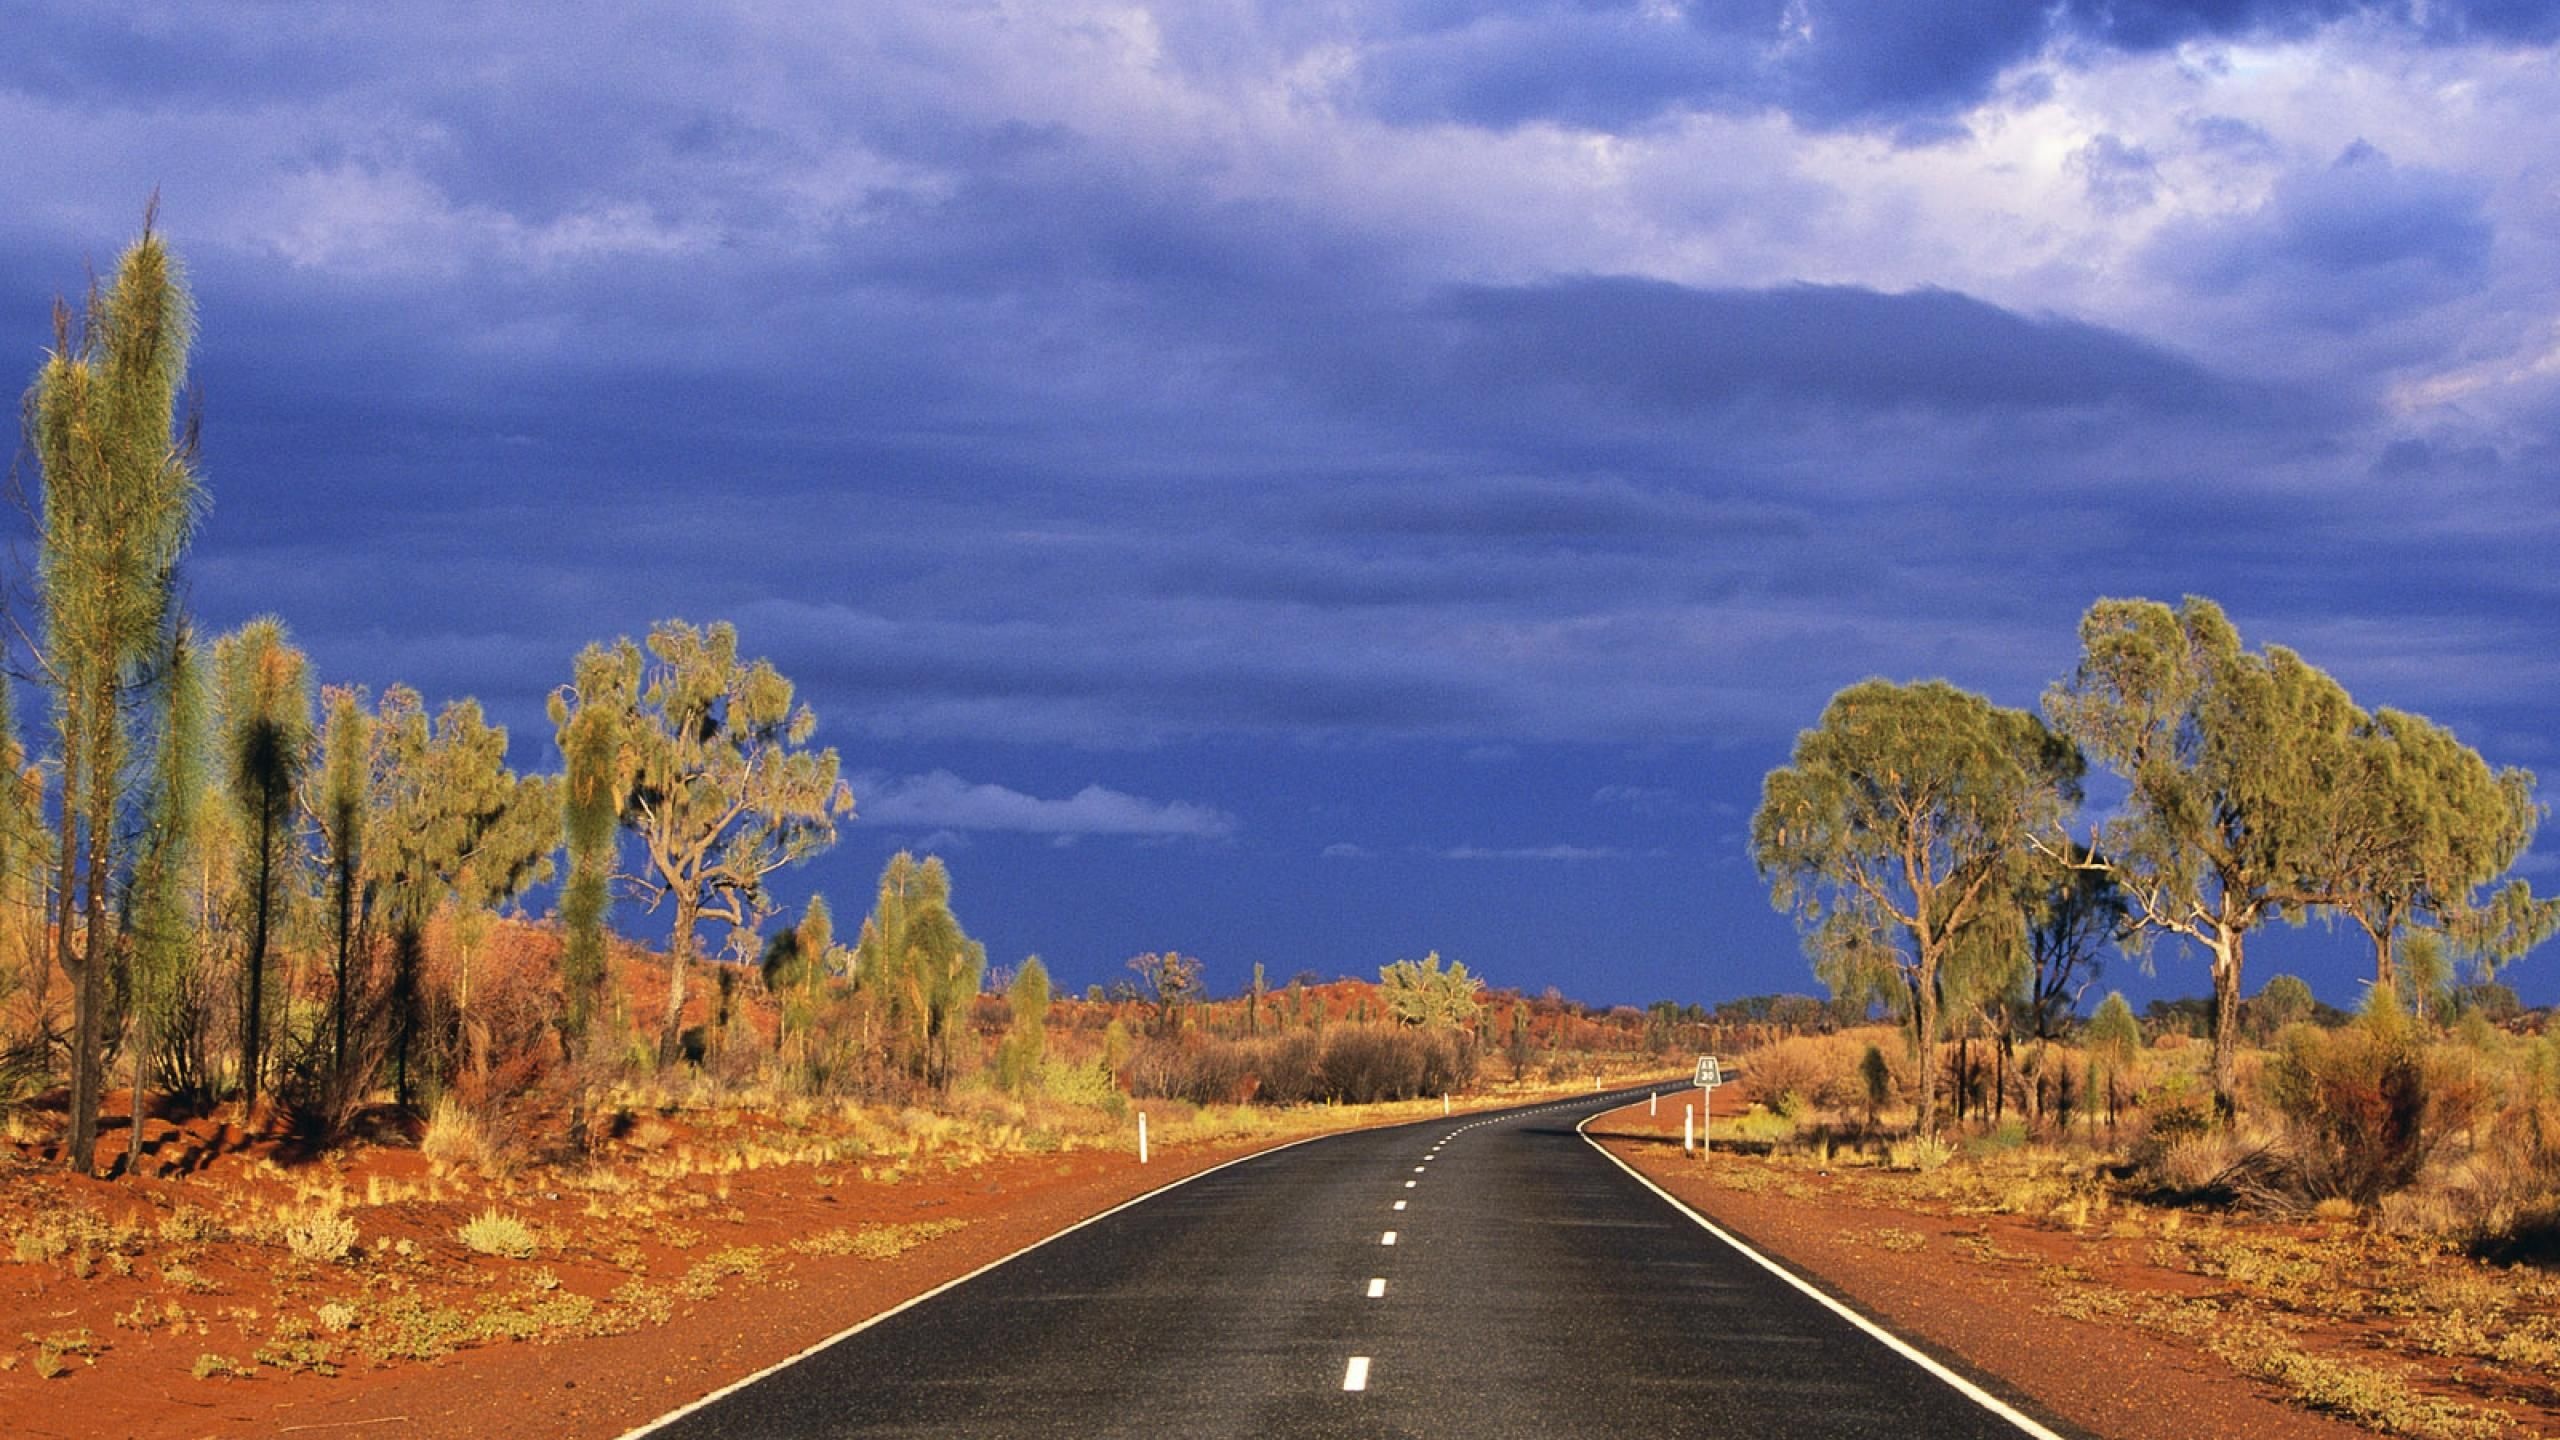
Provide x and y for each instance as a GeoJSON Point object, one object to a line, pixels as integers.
{"type": "Point", "coordinates": [88, 1037]}
{"type": "Point", "coordinates": [1924, 1010]}
{"type": "Point", "coordinates": [141, 1042]}
{"type": "Point", "coordinates": [679, 959]}
{"type": "Point", "coordinates": [2226, 1022]}
{"type": "Point", "coordinates": [2000, 1082]}
{"type": "Point", "coordinates": [253, 1025]}
{"type": "Point", "coordinates": [2386, 966]}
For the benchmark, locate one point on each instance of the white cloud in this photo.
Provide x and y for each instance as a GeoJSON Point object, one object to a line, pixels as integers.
{"type": "Point", "coordinates": [944, 800]}
{"type": "Point", "coordinates": [1568, 853]}
{"type": "Point", "coordinates": [1638, 799]}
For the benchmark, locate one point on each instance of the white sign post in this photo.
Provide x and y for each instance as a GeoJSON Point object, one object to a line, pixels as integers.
{"type": "Point", "coordinates": [1710, 1075]}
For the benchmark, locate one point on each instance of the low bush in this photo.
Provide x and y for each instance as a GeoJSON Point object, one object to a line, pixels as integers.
{"type": "Point", "coordinates": [1346, 1064]}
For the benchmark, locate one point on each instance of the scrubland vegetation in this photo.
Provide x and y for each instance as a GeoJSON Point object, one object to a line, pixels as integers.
{"type": "Point", "coordinates": [290, 1071]}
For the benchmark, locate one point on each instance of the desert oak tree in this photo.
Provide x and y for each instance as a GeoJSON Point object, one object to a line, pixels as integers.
{"type": "Point", "coordinates": [1901, 821]}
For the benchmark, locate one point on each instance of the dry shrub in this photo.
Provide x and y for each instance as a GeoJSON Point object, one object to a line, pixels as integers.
{"type": "Point", "coordinates": [1349, 1064]}
{"type": "Point", "coordinates": [454, 1137]}
{"type": "Point", "coordinates": [1823, 1070]}
{"type": "Point", "coordinates": [2365, 1106]}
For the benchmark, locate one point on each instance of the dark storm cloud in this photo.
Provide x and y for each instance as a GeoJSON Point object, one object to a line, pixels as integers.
{"type": "Point", "coordinates": [1882, 64]}
{"type": "Point", "coordinates": [2342, 247]}
{"type": "Point", "coordinates": [1657, 346]}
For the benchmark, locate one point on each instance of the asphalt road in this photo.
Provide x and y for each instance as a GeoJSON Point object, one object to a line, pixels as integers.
{"type": "Point", "coordinates": [1532, 1288]}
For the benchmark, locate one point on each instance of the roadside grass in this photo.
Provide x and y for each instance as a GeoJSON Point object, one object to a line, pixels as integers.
{"type": "Point", "coordinates": [2337, 1311]}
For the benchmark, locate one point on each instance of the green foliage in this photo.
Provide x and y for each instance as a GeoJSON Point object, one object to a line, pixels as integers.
{"type": "Point", "coordinates": [2284, 1000]}
{"type": "Point", "coordinates": [1419, 992]}
{"type": "Point", "coordinates": [1878, 1078]}
{"type": "Point", "coordinates": [1026, 1042]}
{"type": "Point", "coordinates": [1897, 834]}
{"type": "Point", "coordinates": [454, 826]}
{"type": "Point", "coordinates": [714, 777]}
{"type": "Point", "coordinates": [166, 947]}
{"type": "Point", "coordinates": [119, 504]}
{"type": "Point", "coordinates": [591, 797]}
{"type": "Point", "coordinates": [920, 966]}
{"type": "Point", "coordinates": [2115, 1037]}
{"type": "Point", "coordinates": [346, 744]}
{"type": "Point", "coordinates": [265, 719]}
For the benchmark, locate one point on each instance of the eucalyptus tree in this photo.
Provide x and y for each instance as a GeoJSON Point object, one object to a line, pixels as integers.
{"type": "Point", "coordinates": [2073, 912]}
{"type": "Point", "coordinates": [913, 959]}
{"type": "Point", "coordinates": [1901, 824]}
{"type": "Point", "coordinates": [2418, 830]}
{"type": "Point", "coordinates": [119, 503]}
{"type": "Point", "coordinates": [2234, 761]}
{"type": "Point", "coordinates": [716, 780]}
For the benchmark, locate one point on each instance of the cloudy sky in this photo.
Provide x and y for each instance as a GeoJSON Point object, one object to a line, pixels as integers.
{"type": "Point", "coordinates": [1307, 481]}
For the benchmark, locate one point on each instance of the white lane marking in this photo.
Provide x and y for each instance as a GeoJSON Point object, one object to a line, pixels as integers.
{"type": "Point", "coordinates": [1355, 1376]}
{"type": "Point", "coordinates": [1417, 1169]}
{"type": "Point", "coordinates": [850, 1331]}
{"type": "Point", "coordinates": [1378, 1287]}
{"type": "Point", "coordinates": [1387, 1239]}
{"type": "Point", "coordinates": [1891, 1341]}
{"type": "Point", "coordinates": [1409, 1184]}
{"type": "Point", "coordinates": [1399, 1204]}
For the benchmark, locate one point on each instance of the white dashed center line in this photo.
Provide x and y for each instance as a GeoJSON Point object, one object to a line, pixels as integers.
{"type": "Point", "coordinates": [1399, 1204]}
{"type": "Point", "coordinates": [1355, 1376]}
{"type": "Point", "coordinates": [1409, 1184]}
{"type": "Point", "coordinates": [1387, 1239]}
{"type": "Point", "coordinates": [1378, 1288]}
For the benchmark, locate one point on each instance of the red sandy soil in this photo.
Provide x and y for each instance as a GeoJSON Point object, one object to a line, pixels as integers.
{"type": "Point", "coordinates": [1995, 1317]}
{"type": "Point", "coordinates": [141, 1381]}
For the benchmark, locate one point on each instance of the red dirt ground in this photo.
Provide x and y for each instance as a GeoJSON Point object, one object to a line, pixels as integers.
{"type": "Point", "coordinates": [1991, 1314]}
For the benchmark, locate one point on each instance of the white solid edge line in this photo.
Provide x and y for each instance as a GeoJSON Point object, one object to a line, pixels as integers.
{"type": "Point", "coordinates": [1891, 1341]}
{"type": "Point", "coordinates": [850, 1331]}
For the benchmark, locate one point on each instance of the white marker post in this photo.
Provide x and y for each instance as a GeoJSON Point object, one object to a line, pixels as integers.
{"type": "Point", "coordinates": [1688, 1129]}
{"type": "Point", "coordinates": [1444, 1103]}
{"type": "Point", "coordinates": [1142, 1137]}
{"type": "Point", "coordinates": [1652, 1103]}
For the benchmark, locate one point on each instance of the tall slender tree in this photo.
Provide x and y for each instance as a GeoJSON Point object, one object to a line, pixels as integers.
{"type": "Point", "coordinates": [589, 736]}
{"type": "Point", "coordinates": [120, 499]}
{"type": "Point", "coordinates": [266, 743]}
{"type": "Point", "coordinates": [1900, 825]}
{"type": "Point", "coordinates": [165, 941]}
{"type": "Point", "coordinates": [346, 774]}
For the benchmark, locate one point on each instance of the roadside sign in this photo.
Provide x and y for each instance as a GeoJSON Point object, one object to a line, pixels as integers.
{"type": "Point", "coordinates": [1710, 1074]}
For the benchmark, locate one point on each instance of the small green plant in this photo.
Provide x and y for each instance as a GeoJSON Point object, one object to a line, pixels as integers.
{"type": "Point", "coordinates": [210, 1366]}
{"type": "Point", "coordinates": [493, 1233]}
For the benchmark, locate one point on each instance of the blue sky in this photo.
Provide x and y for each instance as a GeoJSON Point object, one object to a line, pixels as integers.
{"type": "Point", "coordinates": [1308, 483]}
